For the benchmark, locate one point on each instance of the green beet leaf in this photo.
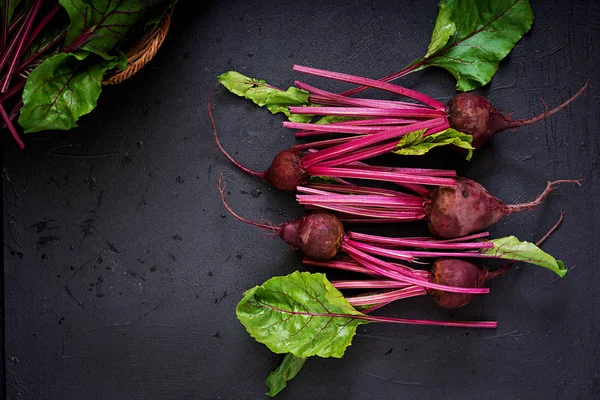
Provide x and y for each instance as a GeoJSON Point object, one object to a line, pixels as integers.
{"type": "Point", "coordinates": [278, 379]}
{"type": "Point", "coordinates": [511, 248]}
{"type": "Point", "coordinates": [264, 95]}
{"type": "Point", "coordinates": [60, 90]}
{"type": "Point", "coordinates": [414, 144]}
{"type": "Point", "coordinates": [471, 37]}
{"type": "Point", "coordinates": [106, 21]}
{"type": "Point", "coordinates": [300, 313]}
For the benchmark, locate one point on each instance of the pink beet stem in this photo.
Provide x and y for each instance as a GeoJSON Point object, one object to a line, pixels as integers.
{"type": "Point", "coordinates": [355, 101]}
{"type": "Point", "coordinates": [351, 266]}
{"type": "Point", "coordinates": [330, 128]}
{"type": "Point", "coordinates": [398, 74]}
{"type": "Point", "coordinates": [414, 171]}
{"type": "Point", "coordinates": [374, 213]}
{"type": "Point", "coordinates": [514, 208]}
{"type": "Point", "coordinates": [258, 174]}
{"type": "Point", "coordinates": [370, 284]}
{"type": "Point", "coordinates": [367, 112]}
{"type": "Point", "coordinates": [527, 121]}
{"type": "Point", "coordinates": [21, 47]}
{"type": "Point", "coordinates": [378, 176]}
{"type": "Point", "coordinates": [326, 189]}
{"type": "Point", "coordinates": [426, 244]}
{"type": "Point", "coordinates": [362, 200]}
{"type": "Point", "coordinates": [372, 139]}
{"type": "Point", "coordinates": [384, 268]}
{"type": "Point", "coordinates": [458, 324]}
{"type": "Point", "coordinates": [399, 294]}
{"type": "Point", "coordinates": [372, 83]}
{"type": "Point", "coordinates": [465, 238]}
{"type": "Point", "coordinates": [324, 143]}
{"type": "Point", "coordinates": [11, 127]}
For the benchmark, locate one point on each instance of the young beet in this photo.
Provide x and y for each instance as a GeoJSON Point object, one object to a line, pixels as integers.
{"type": "Point", "coordinates": [444, 271]}
{"type": "Point", "coordinates": [287, 170]}
{"type": "Point", "coordinates": [451, 211]}
{"type": "Point", "coordinates": [382, 123]}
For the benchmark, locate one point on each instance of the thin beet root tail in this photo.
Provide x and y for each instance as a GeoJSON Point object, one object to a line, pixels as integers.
{"type": "Point", "coordinates": [474, 115]}
{"type": "Point", "coordinates": [210, 108]}
{"type": "Point", "coordinates": [515, 208]}
{"type": "Point", "coordinates": [527, 121]}
{"type": "Point", "coordinates": [277, 229]}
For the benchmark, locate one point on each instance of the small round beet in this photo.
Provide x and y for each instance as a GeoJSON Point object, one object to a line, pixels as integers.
{"type": "Point", "coordinates": [285, 172]}
{"type": "Point", "coordinates": [318, 235]}
{"type": "Point", "coordinates": [455, 272]}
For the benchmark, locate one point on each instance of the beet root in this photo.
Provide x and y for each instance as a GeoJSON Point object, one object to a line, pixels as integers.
{"type": "Point", "coordinates": [285, 172]}
{"type": "Point", "coordinates": [455, 272]}
{"type": "Point", "coordinates": [318, 235]}
{"type": "Point", "coordinates": [455, 211]}
{"type": "Point", "coordinates": [474, 115]}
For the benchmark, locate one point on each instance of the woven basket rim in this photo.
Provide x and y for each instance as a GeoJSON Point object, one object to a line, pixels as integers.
{"type": "Point", "coordinates": [142, 51]}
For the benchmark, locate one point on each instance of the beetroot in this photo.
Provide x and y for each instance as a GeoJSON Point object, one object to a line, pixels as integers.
{"type": "Point", "coordinates": [468, 207]}
{"type": "Point", "coordinates": [454, 272]}
{"type": "Point", "coordinates": [318, 235]}
{"type": "Point", "coordinates": [451, 211]}
{"type": "Point", "coordinates": [474, 115]}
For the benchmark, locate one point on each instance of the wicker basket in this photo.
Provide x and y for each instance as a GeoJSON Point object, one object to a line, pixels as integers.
{"type": "Point", "coordinates": [143, 51]}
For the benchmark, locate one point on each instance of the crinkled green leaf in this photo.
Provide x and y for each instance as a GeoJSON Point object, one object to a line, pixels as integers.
{"type": "Point", "coordinates": [471, 37]}
{"type": "Point", "coordinates": [414, 144]}
{"type": "Point", "coordinates": [264, 95]}
{"type": "Point", "coordinates": [108, 21]}
{"type": "Point", "coordinates": [46, 37]}
{"type": "Point", "coordinates": [60, 90]}
{"type": "Point", "coordinates": [289, 368]}
{"type": "Point", "coordinates": [511, 248]}
{"type": "Point", "coordinates": [294, 314]}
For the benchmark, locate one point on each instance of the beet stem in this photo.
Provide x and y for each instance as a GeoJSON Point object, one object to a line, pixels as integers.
{"type": "Point", "coordinates": [350, 265]}
{"type": "Point", "coordinates": [373, 139]}
{"type": "Point", "coordinates": [372, 83]}
{"type": "Point", "coordinates": [514, 208]}
{"type": "Point", "coordinates": [367, 112]}
{"type": "Point", "coordinates": [395, 177]}
{"type": "Point", "coordinates": [522, 122]}
{"type": "Point", "coordinates": [11, 127]}
{"type": "Point", "coordinates": [384, 268]}
{"type": "Point", "coordinates": [370, 284]}
{"type": "Point", "coordinates": [427, 244]}
{"type": "Point", "coordinates": [221, 187]}
{"type": "Point", "coordinates": [210, 108]}
{"type": "Point", "coordinates": [397, 75]}
{"type": "Point", "coordinates": [399, 294]}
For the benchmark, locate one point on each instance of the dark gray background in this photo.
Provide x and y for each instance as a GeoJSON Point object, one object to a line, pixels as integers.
{"type": "Point", "coordinates": [121, 273]}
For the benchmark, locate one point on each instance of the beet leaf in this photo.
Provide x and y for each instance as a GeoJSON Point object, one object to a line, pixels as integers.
{"type": "Point", "coordinates": [511, 248]}
{"type": "Point", "coordinates": [265, 95]}
{"type": "Point", "coordinates": [289, 368]}
{"type": "Point", "coordinates": [293, 314]}
{"type": "Point", "coordinates": [471, 37]}
{"type": "Point", "coordinates": [415, 144]}
{"type": "Point", "coordinates": [98, 25]}
{"type": "Point", "coordinates": [61, 89]}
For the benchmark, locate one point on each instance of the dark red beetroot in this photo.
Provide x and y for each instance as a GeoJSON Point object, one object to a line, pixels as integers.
{"type": "Point", "coordinates": [468, 207]}
{"type": "Point", "coordinates": [318, 235]}
{"type": "Point", "coordinates": [455, 272]}
{"type": "Point", "coordinates": [475, 115]}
